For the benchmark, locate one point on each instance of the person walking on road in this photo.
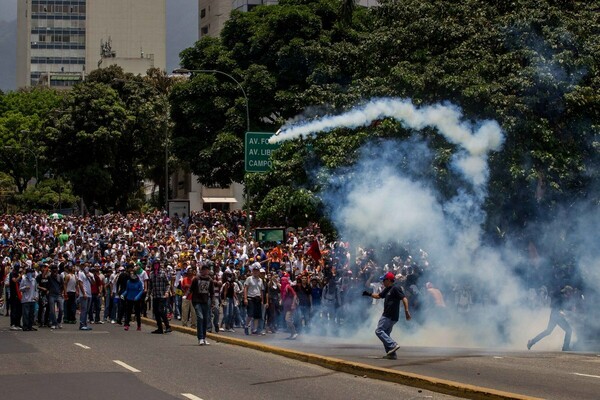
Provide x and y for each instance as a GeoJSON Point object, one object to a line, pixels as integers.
{"type": "Point", "coordinates": [84, 281]}
{"type": "Point", "coordinates": [160, 293]}
{"type": "Point", "coordinates": [559, 302]}
{"type": "Point", "coordinates": [56, 297]}
{"type": "Point", "coordinates": [132, 297]}
{"type": "Point", "coordinates": [253, 300]}
{"type": "Point", "coordinates": [16, 307]}
{"type": "Point", "coordinates": [393, 296]}
{"type": "Point", "coordinates": [289, 300]}
{"type": "Point", "coordinates": [188, 313]}
{"type": "Point", "coordinates": [202, 291]}
{"type": "Point", "coordinates": [29, 291]}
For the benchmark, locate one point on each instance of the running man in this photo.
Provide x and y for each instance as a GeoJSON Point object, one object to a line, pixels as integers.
{"type": "Point", "coordinates": [393, 296]}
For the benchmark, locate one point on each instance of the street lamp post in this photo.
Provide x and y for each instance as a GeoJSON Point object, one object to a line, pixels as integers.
{"type": "Point", "coordinates": [35, 157]}
{"type": "Point", "coordinates": [216, 71]}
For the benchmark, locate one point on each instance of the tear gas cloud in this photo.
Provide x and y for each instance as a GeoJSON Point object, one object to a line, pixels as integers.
{"type": "Point", "coordinates": [386, 198]}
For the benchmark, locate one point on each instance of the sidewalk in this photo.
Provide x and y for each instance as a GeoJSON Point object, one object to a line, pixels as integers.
{"type": "Point", "coordinates": [357, 359]}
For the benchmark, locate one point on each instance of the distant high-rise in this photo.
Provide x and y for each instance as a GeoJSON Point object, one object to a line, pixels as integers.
{"type": "Point", "coordinates": [59, 41]}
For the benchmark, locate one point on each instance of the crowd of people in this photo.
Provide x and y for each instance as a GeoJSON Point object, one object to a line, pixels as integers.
{"type": "Point", "coordinates": [205, 270]}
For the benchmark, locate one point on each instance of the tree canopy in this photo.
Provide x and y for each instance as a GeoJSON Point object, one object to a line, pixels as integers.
{"type": "Point", "coordinates": [531, 65]}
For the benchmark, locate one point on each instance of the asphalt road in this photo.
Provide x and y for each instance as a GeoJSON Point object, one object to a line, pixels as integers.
{"type": "Point", "coordinates": [543, 374]}
{"type": "Point", "coordinates": [109, 363]}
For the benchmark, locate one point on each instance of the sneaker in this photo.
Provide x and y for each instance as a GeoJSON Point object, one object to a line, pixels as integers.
{"type": "Point", "coordinates": [113, 321]}
{"type": "Point", "coordinates": [168, 330]}
{"type": "Point", "coordinates": [529, 344]}
{"type": "Point", "coordinates": [139, 328]}
{"type": "Point", "coordinates": [53, 327]}
{"type": "Point", "coordinates": [263, 333]}
{"type": "Point", "coordinates": [126, 327]}
{"type": "Point", "coordinates": [206, 343]}
{"type": "Point", "coordinates": [230, 330]}
{"type": "Point", "coordinates": [393, 350]}
{"type": "Point", "coordinates": [59, 326]}
{"type": "Point", "coordinates": [15, 328]}
{"type": "Point", "coordinates": [294, 336]}
{"type": "Point", "coordinates": [200, 343]}
{"type": "Point", "coordinates": [246, 330]}
{"type": "Point", "coordinates": [99, 322]}
{"type": "Point", "coordinates": [85, 328]}
{"type": "Point", "coordinates": [157, 331]}
{"type": "Point", "coordinates": [392, 356]}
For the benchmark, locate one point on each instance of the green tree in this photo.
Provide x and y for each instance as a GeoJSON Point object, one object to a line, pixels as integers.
{"type": "Point", "coordinates": [21, 143]}
{"type": "Point", "coordinates": [112, 128]}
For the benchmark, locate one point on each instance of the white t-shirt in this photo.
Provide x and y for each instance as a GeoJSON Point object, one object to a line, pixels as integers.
{"type": "Point", "coordinates": [86, 283]}
{"type": "Point", "coordinates": [254, 285]}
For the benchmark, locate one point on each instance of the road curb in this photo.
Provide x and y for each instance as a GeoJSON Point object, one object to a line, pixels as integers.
{"type": "Point", "coordinates": [404, 378]}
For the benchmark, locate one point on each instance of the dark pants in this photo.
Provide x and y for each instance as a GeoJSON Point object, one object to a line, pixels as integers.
{"type": "Point", "coordinates": [120, 310]}
{"type": "Point", "coordinates": [95, 308]}
{"type": "Point", "coordinates": [556, 318]}
{"type": "Point", "coordinates": [159, 305]}
{"type": "Point", "coordinates": [43, 316]}
{"type": "Point", "coordinates": [71, 308]}
{"type": "Point", "coordinates": [16, 311]}
{"type": "Point", "coordinates": [28, 315]}
{"type": "Point", "coordinates": [135, 306]}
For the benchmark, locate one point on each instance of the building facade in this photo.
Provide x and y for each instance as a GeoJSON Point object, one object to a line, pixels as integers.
{"type": "Point", "coordinates": [59, 41]}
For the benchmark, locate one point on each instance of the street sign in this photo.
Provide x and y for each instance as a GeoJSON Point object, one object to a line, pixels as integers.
{"type": "Point", "coordinates": [258, 150]}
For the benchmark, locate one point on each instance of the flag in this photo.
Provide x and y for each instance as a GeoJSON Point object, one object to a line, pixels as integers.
{"type": "Point", "coordinates": [314, 250]}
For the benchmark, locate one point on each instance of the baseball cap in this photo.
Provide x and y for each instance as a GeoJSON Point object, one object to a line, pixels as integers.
{"type": "Point", "coordinates": [389, 276]}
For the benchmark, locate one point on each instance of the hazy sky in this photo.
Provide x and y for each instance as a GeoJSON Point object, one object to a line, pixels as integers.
{"type": "Point", "coordinates": [182, 32]}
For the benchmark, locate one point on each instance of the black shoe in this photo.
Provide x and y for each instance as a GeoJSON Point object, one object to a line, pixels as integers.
{"type": "Point", "coordinates": [158, 332]}
{"type": "Point", "coordinates": [33, 329]}
{"type": "Point", "coordinates": [168, 330]}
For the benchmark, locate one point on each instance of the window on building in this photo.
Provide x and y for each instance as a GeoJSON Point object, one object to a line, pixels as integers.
{"type": "Point", "coordinates": [203, 13]}
{"type": "Point", "coordinates": [204, 30]}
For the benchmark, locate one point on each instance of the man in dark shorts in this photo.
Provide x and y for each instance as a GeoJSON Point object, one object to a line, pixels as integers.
{"type": "Point", "coordinates": [393, 296]}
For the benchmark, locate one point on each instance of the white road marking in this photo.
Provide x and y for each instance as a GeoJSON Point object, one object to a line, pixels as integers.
{"type": "Point", "coordinates": [190, 396]}
{"type": "Point", "coordinates": [586, 375]}
{"type": "Point", "coordinates": [83, 346]}
{"type": "Point", "coordinates": [129, 367]}
{"type": "Point", "coordinates": [498, 358]}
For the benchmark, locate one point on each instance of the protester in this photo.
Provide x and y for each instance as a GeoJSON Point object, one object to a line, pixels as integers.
{"type": "Point", "coordinates": [202, 291]}
{"type": "Point", "coordinates": [56, 297]}
{"type": "Point", "coordinates": [393, 296]}
{"type": "Point", "coordinates": [30, 294]}
{"type": "Point", "coordinates": [132, 297]}
{"type": "Point", "coordinates": [289, 301]}
{"type": "Point", "coordinates": [561, 303]}
{"type": "Point", "coordinates": [160, 288]}
{"type": "Point", "coordinates": [253, 300]}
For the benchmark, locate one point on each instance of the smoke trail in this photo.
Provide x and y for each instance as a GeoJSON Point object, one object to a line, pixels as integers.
{"type": "Point", "coordinates": [475, 140]}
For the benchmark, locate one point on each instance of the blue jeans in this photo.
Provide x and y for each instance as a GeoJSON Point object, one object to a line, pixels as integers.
{"type": "Point", "coordinates": [55, 300]}
{"type": "Point", "coordinates": [229, 313]}
{"type": "Point", "coordinates": [84, 306]}
{"type": "Point", "coordinates": [202, 319]}
{"type": "Point", "coordinates": [383, 331]}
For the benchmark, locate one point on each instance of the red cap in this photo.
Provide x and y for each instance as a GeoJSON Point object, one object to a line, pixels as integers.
{"type": "Point", "coordinates": [389, 276]}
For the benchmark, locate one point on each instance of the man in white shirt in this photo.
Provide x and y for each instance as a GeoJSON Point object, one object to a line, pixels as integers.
{"type": "Point", "coordinates": [253, 299]}
{"type": "Point", "coordinates": [84, 281]}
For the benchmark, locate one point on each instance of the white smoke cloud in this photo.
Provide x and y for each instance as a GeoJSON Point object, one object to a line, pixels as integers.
{"type": "Point", "coordinates": [386, 196]}
{"type": "Point", "coordinates": [475, 140]}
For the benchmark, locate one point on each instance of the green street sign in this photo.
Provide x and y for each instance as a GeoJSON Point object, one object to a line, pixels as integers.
{"type": "Point", "coordinates": [258, 151]}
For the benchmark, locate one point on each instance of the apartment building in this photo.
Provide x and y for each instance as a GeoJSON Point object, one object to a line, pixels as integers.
{"type": "Point", "coordinates": [59, 41]}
